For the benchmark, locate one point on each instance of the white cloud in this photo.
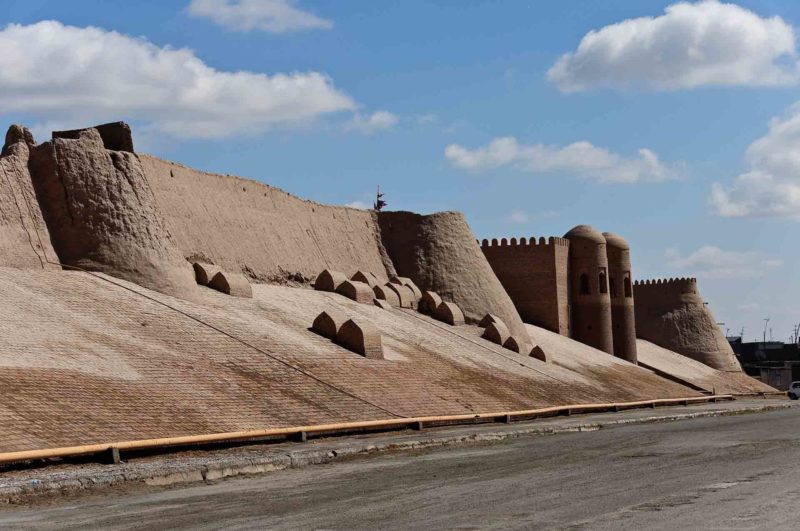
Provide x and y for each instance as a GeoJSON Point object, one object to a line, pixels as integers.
{"type": "Point", "coordinates": [582, 158]}
{"type": "Point", "coordinates": [517, 216]}
{"type": "Point", "coordinates": [373, 123]}
{"type": "Point", "coordinates": [275, 16]}
{"type": "Point", "coordinates": [712, 262]}
{"type": "Point", "coordinates": [690, 45]}
{"type": "Point", "coordinates": [361, 205]}
{"type": "Point", "coordinates": [771, 186]}
{"type": "Point", "coordinates": [86, 75]}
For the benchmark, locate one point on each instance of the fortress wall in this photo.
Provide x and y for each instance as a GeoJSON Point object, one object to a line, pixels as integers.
{"type": "Point", "coordinates": [20, 216]}
{"type": "Point", "coordinates": [535, 277]}
{"type": "Point", "coordinates": [439, 253]}
{"type": "Point", "coordinates": [101, 214]}
{"type": "Point", "coordinates": [264, 232]}
{"type": "Point", "coordinates": [671, 314]}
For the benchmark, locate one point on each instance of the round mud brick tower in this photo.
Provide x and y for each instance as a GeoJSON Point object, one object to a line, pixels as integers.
{"type": "Point", "coordinates": [589, 300]}
{"type": "Point", "coordinates": [620, 289]}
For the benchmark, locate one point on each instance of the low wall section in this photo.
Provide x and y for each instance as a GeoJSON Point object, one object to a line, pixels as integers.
{"type": "Point", "coordinates": [535, 277]}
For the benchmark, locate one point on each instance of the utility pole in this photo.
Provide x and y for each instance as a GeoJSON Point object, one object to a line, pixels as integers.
{"type": "Point", "coordinates": [766, 322]}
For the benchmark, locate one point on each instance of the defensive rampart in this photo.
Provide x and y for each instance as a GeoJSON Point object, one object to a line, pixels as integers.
{"type": "Point", "coordinates": [535, 277]}
{"type": "Point", "coordinates": [101, 214]}
{"type": "Point", "coordinates": [24, 239]}
{"type": "Point", "coordinates": [264, 232]}
{"type": "Point", "coordinates": [671, 314]}
{"type": "Point", "coordinates": [439, 253]}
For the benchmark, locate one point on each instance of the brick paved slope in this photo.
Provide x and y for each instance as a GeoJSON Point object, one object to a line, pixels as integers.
{"type": "Point", "coordinates": [700, 374]}
{"type": "Point", "coordinates": [83, 361]}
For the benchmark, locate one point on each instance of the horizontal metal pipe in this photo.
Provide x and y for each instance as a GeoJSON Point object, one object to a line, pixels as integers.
{"type": "Point", "coordinates": [236, 436]}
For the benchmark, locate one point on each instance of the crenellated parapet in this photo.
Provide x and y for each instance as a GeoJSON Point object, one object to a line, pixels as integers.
{"type": "Point", "coordinates": [525, 242]}
{"type": "Point", "coordinates": [534, 274]}
{"type": "Point", "coordinates": [684, 281]}
{"type": "Point", "coordinates": [665, 287]}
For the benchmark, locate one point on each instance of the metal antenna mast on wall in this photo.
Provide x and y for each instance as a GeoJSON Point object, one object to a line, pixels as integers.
{"type": "Point", "coordinates": [379, 202]}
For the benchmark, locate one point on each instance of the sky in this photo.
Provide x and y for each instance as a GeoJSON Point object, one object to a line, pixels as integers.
{"type": "Point", "coordinates": [674, 124]}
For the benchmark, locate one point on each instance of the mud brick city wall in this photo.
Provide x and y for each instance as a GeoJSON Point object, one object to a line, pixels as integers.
{"type": "Point", "coordinates": [535, 276]}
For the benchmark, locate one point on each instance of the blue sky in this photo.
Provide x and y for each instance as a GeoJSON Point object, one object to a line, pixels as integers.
{"type": "Point", "coordinates": [448, 105]}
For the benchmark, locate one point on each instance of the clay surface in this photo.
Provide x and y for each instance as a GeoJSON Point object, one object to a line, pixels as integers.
{"type": "Point", "coordinates": [429, 301]}
{"type": "Point", "coordinates": [232, 284]}
{"type": "Point", "coordinates": [387, 294]}
{"type": "Point", "coordinates": [116, 136]}
{"type": "Point", "coordinates": [450, 313]}
{"type": "Point", "coordinates": [329, 280]}
{"type": "Point", "coordinates": [489, 319]}
{"type": "Point", "coordinates": [361, 336]}
{"type": "Point", "coordinates": [24, 237]}
{"type": "Point", "coordinates": [405, 281]}
{"type": "Point", "coordinates": [380, 303]}
{"type": "Point", "coordinates": [357, 291]}
{"type": "Point", "coordinates": [328, 323]}
{"type": "Point", "coordinates": [101, 215]}
{"type": "Point", "coordinates": [366, 277]}
{"type": "Point", "coordinates": [671, 314]}
{"type": "Point", "coordinates": [496, 332]}
{"type": "Point", "coordinates": [538, 353]}
{"type": "Point", "coordinates": [244, 225]}
{"type": "Point", "coordinates": [203, 273]}
{"type": "Point", "coordinates": [404, 295]}
{"type": "Point", "coordinates": [439, 253]}
{"type": "Point", "coordinates": [512, 344]}
{"type": "Point", "coordinates": [69, 338]}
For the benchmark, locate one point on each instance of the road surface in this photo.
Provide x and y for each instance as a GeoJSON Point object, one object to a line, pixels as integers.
{"type": "Point", "coordinates": [739, 472]}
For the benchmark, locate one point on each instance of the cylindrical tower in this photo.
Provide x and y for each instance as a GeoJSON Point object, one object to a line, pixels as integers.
{"type": "Point", "coordinates": [620, 289]}
{"type": "Point", "coordinates": [590, 305]}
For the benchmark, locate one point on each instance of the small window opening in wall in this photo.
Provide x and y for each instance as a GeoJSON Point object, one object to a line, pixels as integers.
{"type": "Point", "coordinates": [612, 287]}
{"type": "Point", "coordinates": [627, 281]}
{"type": "Point", "coordinates": [584, 287]}
{"type": "Point", "coordinates": [602, 280]}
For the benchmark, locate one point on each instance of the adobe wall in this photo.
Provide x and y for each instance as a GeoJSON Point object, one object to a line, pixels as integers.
{"type": "Point", "coordinates": [535, 277]}
{"type": "Point", "coordinates": [24, 239]}
{"type": "Point", "coordinates": [266, 233]}
{"type": "Point", "coordinates": [671, 314]}
{"type": "Point", "coordinates": [439, 253]}
{"type": "Point", "coordinates": [101, 214]}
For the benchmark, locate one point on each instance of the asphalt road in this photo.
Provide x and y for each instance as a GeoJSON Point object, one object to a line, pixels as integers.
{"type": "Point", "coordinates": [740, 472]}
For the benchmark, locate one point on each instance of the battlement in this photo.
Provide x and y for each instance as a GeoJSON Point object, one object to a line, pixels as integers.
{"type": "Point", "coordinates": [523, 242]}
{"type": "Point", "coordinates": [682, 281]}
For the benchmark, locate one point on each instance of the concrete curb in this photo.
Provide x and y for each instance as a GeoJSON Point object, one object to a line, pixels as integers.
{"type": "Point", "coordinates": [172, 470]}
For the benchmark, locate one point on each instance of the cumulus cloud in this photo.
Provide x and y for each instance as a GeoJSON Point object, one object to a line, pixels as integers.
{"type": "Point", "coordinates": [690, 45]}
{"type": "Point", "coordinates": [771, 186]}
{"type": "Point", "coordinates": [517, 216]}
{"type": "Point", "coordinates": [67, 74]}
{"type": "Point", "coordinates": [582, 158]}
{"type": "Point", "coordinates": [274, 16]}
{"type": "Point", "coordinates": [372, 123]}
{"type": "Point", "coordinates": [361, 205]}
{"type": "Point", "coordinates": [712, 262]}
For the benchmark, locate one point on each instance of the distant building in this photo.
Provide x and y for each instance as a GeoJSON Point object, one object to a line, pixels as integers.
{"type": "Point", "coordinates": [773, 362]}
